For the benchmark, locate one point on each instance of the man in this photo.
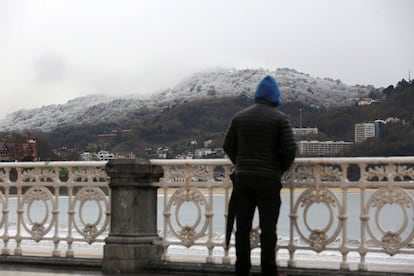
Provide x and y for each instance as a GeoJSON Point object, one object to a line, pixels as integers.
{"type": "Point", "coordinates": [261, 145]}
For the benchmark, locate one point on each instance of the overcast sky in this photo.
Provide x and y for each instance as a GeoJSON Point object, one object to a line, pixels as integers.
{"type": "Point", "coordinates": [52, 51]}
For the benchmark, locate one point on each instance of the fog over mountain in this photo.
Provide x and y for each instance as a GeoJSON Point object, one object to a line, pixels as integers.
{"type": "Point", "coordinates": [294, 86]}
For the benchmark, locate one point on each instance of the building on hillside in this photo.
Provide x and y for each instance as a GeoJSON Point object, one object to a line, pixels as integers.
{"type": "Point", "coordinates": [367, 101]}
{"type": "Point", "coordinates": [305, 130]}
{"type": "Point", "coordinates": [104, 155]}
{"type": "Point", "coordinates": [323, 148]}
{"type": "Point", "coordinates": [10, 152]}
{"type": "Point", "coordinates": [88, 156]}
{"type": "Point", "coordinates": [208, 153]}
{"type": "Point", "coordinates": [125, 155]}
{"type": "Point", "coordinates": [363, 131]}
{"type": "Point", "coordinates": [364, 101]}
{"type": "Point", "coordinates": [207, 143]}
{"type": "Point", "coordinates": [185, 155]}
{"type": "Point", "coordinates": [162, 152]}
{"type": "Point", "coordinates": [66, 154]}
{"type": "Point", "coordinates": [202, 152]}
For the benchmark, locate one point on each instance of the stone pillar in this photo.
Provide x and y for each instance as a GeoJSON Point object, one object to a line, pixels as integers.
{"type": "Point", "coordinates": [133, 239]}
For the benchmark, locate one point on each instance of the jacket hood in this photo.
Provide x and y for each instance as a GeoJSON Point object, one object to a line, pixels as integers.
{"type": "Point", "coordinates": [268, 90]}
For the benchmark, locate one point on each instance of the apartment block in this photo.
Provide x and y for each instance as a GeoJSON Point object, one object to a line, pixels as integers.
{"type": "Point", "coordinates": [363, 131]}
{"type": "Point", "coordinates": [305, 130]}
{"type": "Point", "coordinates": [322, 148]}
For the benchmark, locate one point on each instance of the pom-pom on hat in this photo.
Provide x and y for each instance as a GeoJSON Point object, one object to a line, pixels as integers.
{"type": "Point", "coordinates": [267, 89]}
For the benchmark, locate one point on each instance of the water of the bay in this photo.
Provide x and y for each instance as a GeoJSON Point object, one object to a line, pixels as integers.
{"type": "Point", "coordinates": [390, 217]}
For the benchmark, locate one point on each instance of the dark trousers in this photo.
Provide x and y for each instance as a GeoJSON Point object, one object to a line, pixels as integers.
{"type": "Point", "coordinates": [264, 193]}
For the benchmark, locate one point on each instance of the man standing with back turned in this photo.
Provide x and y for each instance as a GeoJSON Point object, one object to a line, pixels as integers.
{"type": "Point", "coordinates": [261, 145]}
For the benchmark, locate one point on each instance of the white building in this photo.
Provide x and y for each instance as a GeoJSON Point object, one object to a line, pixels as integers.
{"type": "Point", "coordinates": [104, 155]}
{"type": "Point", "coordinates": [364, 131]}
{"type": "Point", "coordinates": [88, 156]}
{"type": "Point", "coordinates": [207, 143]}
{"type": "Point", "coordinates": [367, 101]}
{"type": "Point", "coordinates": [364, 101]}
{"type": "Point", "coordinates": [323, 148]}
{"type": "Point", "coordinates": [162, 152]}
{"type": "Point", "coordinates": [200, 153]}
{"type": "Point", "coordinates": [205, 152]}
{"type": "Point", "coordinates": [305, 130]}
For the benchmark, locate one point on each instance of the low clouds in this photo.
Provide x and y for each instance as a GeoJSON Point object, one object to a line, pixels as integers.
{"type": "Point", "coordinates": [52, 51]}
{"type": "Point", "coordinates": [50, 67]}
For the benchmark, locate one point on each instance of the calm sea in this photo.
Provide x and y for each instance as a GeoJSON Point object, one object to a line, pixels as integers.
{"type": "Point", "coordinates": [390, 217]}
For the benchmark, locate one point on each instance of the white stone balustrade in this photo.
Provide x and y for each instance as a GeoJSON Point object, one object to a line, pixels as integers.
{"type": "Point", "coordinates": [379, 183]}
{"type": "Point", "coordinates": [326, 184]}
{"type": "Point", "coordinates": [47, 202]}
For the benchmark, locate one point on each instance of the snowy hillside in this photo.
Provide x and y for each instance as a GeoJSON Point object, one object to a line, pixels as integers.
{"type": "Point", "coordinates": [294, 86]}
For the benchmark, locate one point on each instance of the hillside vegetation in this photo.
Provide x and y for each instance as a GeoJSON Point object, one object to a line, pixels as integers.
{"type": "Point", "coordinates": [126, 110]}
{"type": "Point", "coordinates": [208, 118]}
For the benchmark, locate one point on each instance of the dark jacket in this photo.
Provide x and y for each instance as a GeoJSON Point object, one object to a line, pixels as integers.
{"type": "Point", "coordinates": [260, 141]}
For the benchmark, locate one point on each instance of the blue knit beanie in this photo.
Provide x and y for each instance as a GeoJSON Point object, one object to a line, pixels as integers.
{"type": "Point", "coordinates": [267, 89]}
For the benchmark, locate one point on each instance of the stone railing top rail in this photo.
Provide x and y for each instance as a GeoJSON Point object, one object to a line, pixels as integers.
{"type": "Point", "coordinates": [53, 164]}
{"type": "Point", "coordinates": [311, 160]}
{"type": "Point", "coordinates": [222, 161]}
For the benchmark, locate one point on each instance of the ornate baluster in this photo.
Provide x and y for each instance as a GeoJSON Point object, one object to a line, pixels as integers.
{"type": "Point", "coordinates": [19, 210]}
{"type": "Point", "coordinates": [209, 214]}
{"type": "Point", "coordinates": [5, 178]}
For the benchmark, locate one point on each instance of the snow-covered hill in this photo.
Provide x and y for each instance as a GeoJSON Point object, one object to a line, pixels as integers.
{"type": "Point", "coordinates": [294, 86]}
